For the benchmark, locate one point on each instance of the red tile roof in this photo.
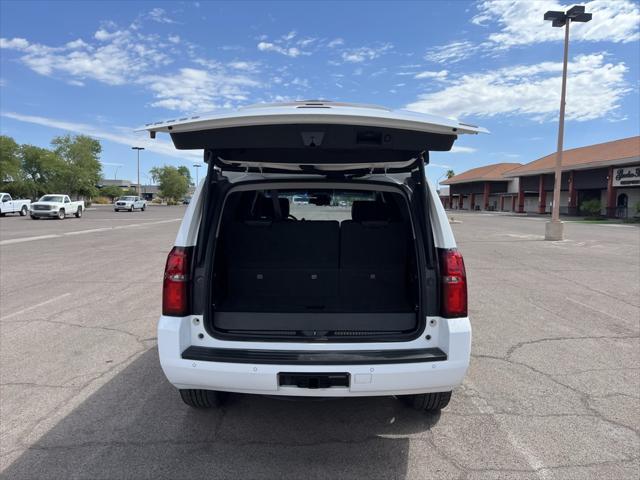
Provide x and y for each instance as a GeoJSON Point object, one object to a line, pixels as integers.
{"type": "Point", "coordinates": [488, 173]}
{"type": "Point", "coordinates": [617, 152]}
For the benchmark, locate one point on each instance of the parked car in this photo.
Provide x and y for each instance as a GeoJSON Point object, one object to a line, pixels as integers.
{"type": "Point", "coordinates": [130, 203]}
{"type": "Point", "coordinates": [258, 301]}
{"type": "Point", "coordinates": [9, 205]}
{"type": "Point", "coordinates": [186, 200]}
{"type": "Point", "coordinates": [56, 206]}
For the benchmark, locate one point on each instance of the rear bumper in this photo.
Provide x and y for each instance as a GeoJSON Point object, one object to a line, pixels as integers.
{"type": "Point", "coordinates": [255, 368]}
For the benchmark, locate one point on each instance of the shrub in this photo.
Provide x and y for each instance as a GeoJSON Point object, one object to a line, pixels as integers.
{"type": "Point", "coordinates": [101, 201]}
{"type": "Point", "coordinates": [591, 208]}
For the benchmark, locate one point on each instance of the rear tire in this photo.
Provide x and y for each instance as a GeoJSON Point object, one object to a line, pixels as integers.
{"type": "Point", "coordinates": [23, 211]}
{"type": "Point", "coordinates": [143, 207]}
{"type": "Point", "coordinates": [429, 402]}
{"type": "Point", "coordinates": [61, 214]}
{"type": "Point", "coordinates": [131, 209]}
{"type": "Point", "coordinates": [78, 213]}
{"type": "Point", "coordinates": [33, 217]}
{"type": "Point", "coordinates": [203, 398]}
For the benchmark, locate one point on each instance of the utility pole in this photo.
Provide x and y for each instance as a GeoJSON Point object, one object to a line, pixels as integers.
{"type": "Point", "coordinates": [197, 167]}
{"type": "Point", "coordinates": [138, 150]}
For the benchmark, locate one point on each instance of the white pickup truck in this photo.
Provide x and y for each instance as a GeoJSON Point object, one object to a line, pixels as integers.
{"type": "Point", "coordinates": [9, 205]}
{"type": "Point", "coordinates": [56, 206]}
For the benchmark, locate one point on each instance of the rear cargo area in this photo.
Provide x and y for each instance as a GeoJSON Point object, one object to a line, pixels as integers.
{"type": "Point", "coordinates": [305, 263]}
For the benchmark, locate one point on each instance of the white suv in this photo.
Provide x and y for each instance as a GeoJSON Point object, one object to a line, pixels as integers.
{"type": "Point", "coordinates": [358, 291]}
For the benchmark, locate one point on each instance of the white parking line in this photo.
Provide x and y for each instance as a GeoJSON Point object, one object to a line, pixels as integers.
{"type": "Point", "coordinates": [32, 307]}
{"type": "Point", "coordinates": [27, 239]}
{"type": "Point", "coordinates": [82, 232]}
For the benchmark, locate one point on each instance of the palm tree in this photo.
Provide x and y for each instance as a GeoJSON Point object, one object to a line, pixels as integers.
{"type": "Point", "coordinates": [450, 173]}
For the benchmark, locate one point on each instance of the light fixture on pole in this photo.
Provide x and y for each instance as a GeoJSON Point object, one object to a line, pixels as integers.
{"type": "Point", "coordinates": [138, 149]}
{"type": "Point", "coordinates": [197, 167]}
{"type": "Point", "coordinates": [554, 229]}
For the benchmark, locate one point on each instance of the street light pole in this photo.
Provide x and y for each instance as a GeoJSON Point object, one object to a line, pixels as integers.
{"type": "Point", "coordinates": [138, 150]}
{"type": "Point", "coordinates": [554, 230]}
{"type": "Point", "coordinates": [197, 167]}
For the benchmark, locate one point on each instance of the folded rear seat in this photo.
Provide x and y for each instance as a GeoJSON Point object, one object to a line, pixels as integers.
{"type": "Point", "coordinates": [278, 265]}
{"type": "Point", "coordinates": [373, 259]}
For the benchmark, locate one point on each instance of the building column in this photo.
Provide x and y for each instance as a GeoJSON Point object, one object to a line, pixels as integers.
{"type": "Point", "coordinates": [542, 196]}
{"type": "Point", "coordinates": [520, 196]}
{"type": "Point", "coordinates": [573, 195]}
{"type": "Point", "coordinates": [611, 195]}
{"type": "Point", "coordinates": [450, 199]}
{"type": "Point", "coordinates": [472, 202]}
{"type": "Point", "coordinates": [485, 196]}
{"type": "Point", "coordinates": [460, 201]}
{"type": "Point", "coordinates": [501, 203]}
{"type": "Point", "coordinates": [513, 203]}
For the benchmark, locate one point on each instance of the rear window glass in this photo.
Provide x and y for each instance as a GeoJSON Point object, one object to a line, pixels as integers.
{"type": "Point", "coordinates": [311, 204]}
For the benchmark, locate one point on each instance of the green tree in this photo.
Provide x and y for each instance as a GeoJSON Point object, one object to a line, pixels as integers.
{"type": "Point", "coordinates": [111, 191]}
{"type": "Point", "coordinates": [450, 173]}
{"type": "Point", "coordinates": [184, 171]}
{"type": "Point", "coordinates": [42, 169]}
{"type": "Point", "coordinates": [9, 160]}
{"type": "Point", "coordinates": [81, 157]}
{"type": "Point", "coordinates": [171, 182]}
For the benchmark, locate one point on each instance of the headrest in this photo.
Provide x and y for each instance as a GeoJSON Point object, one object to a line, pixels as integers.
{"type": "Point", "coordinates": [264, 208]}
{"type": "Point", "coordinates": [367, 211]}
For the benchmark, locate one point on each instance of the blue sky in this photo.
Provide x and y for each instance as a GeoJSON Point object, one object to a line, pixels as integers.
{"type": "Point", "coordinates": [104, 68]}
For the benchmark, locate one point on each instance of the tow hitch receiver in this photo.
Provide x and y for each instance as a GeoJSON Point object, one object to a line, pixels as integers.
{"type": "Point", "coordinates": [313, 380]}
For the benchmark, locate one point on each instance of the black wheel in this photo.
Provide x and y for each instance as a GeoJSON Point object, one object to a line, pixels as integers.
{"type": "Point", "coordinates": [61, 214]}
{"type": "Point", "coordinates": [23, 211]}
{"type": "Point", "coordinates": [203, 398]}
{"type": "Point", "coordinates": [430, 402]}
{"type": "Point", "coordinates": [78, 213]}
{"type": "Point", "coordinates": [33, 217]}
{"type": "Point", "coordinates": [143, 207]}
{"type": "Point", "coordinates": [131, 209]}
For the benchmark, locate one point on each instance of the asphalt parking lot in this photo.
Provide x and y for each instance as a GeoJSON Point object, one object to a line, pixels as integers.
{"type": "Point", "coordinates": [553, 390]}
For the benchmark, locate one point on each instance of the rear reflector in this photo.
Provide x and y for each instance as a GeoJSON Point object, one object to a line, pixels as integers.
{"type": "Point", "coordinates": [453, 284]}
{"type": "Point", "coordinates": [177, 283]}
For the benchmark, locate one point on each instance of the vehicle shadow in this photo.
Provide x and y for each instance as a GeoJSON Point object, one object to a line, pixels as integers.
{"type": "Point", "coordinates": [136, 426]}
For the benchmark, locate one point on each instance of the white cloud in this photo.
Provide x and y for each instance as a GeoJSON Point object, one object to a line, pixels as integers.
{"type": "Point", "coordinates": [198, 90]}
{"type": "Point", "coordinates": [122, 135]}
{"type": "Point", "coordinates": [117, 57]}
{"type": "Point", "coordinates": [336, 42]}
{"type": "Point", "coordinates": [458, 149]}
{"type": "Point", "coordinates": [244, 66]}
{"type": "Point", "coordinates": [272, 47]}
{"type": "Point", "coordinates": [442, 74]}
{"type": "Point", "coordinates": [288, 45]}
{"type": "Point", "coordinates": [452, 52]}
{"type": "Point", "coordinates": [160, 15]}
{"type": "Point", "coordinates": [521, 22]}
{"type": "Point", "coordinates": [362, 54]}
{"type": "Point", "coordinates": [14, 43]}
{"type": "Point", "coordinates": [174, 39]}
{"type": "Point", "coordinates": [595, 89]}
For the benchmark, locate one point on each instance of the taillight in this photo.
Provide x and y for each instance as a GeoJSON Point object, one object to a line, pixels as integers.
{"type": "Point", "coordinates": [453, 284]}
{"type": "Point", "coordinates": [176, 284]}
